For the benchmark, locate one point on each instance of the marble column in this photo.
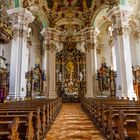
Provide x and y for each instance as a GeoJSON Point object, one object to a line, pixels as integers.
{"type": "Point", "coordinates": [89, 72]}
{"type": "Point", "coordinates": [137, 34]}
{"type": "Point", "coordinates": [50, 65]}
{"type": "Point", "coordinates": [44, 66]}
{"type": "Point", "coordinates": [47, 73]}
{"type": "Point", "coordinates": [43, 54]}
{"type": "Point", "coordinates": [134, 25]}
{"type": "Point", "coordinates": [137, 48]}
{"type": "Point", "coordinates": [45, 61]}
{"type": "Point", "coordinates": [124, 87]}
{"type": "Point", "coordinates": [52, 74]}
{"type": "Point", "coordinates": [19, 61]}
{"type": "Point", "coordinates": [94, 71]}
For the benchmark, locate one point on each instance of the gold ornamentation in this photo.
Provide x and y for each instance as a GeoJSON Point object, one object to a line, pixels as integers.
{"type": "Point", "coordinates": [121, 31]}
{"type": "Point", "coordinates": [6, 33]}
{"type": "Point", "coordinates": [70, 67]}
{"type": "Point", "coordinates": [89, 46]}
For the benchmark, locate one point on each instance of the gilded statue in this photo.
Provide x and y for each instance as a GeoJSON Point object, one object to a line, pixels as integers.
{"type": "Point", "coordinates": [70, 67]}
{"type": "Point", "coordinates": [55, 5]}
{"type": "Point", "coordinates": [85, 5]}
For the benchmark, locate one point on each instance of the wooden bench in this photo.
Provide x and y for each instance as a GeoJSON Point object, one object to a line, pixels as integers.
{"type": "Point", "coordinates": [23, 128]}
{"type": "Point", "coordinates": [106, 114]}
{"type": "Point", "coordinates": [44, 113]}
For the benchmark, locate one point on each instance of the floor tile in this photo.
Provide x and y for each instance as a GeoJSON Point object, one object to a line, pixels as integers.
{"type": "Point", "coordinates": [73, 124]}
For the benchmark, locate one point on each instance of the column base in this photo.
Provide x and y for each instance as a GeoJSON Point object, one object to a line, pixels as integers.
{"type": "Point", "coordinates": [52, 95]}
{"type": "Point", "coordinates": [14, 96]}
{"type": "Point", "coordinates": [89, 94]}
{"type": "Point", "coordinates": [47, 95]}
{"type": "Point", "coordinates": [125, 94]}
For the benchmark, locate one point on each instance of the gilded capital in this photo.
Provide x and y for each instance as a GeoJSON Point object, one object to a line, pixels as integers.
{"type": "Point", "coordinates": [89, 46]}
{"type": "Point", "coordinates": [51, 47]}
{"type": "Point", "coordinates": [121, 31]}
{"type": "Point", "coordinates": [20, 18]}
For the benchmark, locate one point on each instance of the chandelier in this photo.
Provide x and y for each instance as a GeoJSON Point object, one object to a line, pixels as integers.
{"type": "Point", "coordinates": [6, 33]}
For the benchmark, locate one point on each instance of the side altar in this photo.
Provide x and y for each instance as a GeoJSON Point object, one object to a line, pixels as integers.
{"type": "Point", "coordinates": [35, 79]}
{"type": "Point", "coordinates": [106, 81]}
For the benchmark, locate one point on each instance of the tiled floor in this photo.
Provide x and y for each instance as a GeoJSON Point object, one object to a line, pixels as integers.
{"type": "Point", "coordinates": [73, 124]}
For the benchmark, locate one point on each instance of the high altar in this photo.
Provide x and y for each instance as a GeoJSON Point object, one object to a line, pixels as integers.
{"type": "Point", "coordinates": [70, 71]}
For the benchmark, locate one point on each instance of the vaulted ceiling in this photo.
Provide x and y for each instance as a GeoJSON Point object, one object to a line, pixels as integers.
{"type": "Point", "coordinates": [61, 14]}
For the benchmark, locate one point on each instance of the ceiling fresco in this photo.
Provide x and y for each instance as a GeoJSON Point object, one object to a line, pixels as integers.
{"type": "Point", "coordinates": [69, 17]}
{"type": "Point", "coordinates": [63, 4]}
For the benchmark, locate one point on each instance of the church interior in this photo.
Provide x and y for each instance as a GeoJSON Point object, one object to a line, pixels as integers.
{"type": "Point", "coordinates": [69, 70]}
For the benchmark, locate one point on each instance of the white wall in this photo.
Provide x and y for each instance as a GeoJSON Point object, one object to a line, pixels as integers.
{"type": "Point", "coordinates": [35, 48]}
{"type": "Point", "coordinates": [133, 51]}
{"type": "Point", "coordinates": [105, 52]}
{"type": "Point", "coordinates": [137, 45]}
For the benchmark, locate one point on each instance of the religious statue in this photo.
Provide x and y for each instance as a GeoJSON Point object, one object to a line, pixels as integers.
{"type": "Point", "coordinates": [60, 76]}
{"type": "Point", "coordinates": [85, 5]}
{"type": "Point", "coordinates": [138, 74]}
{"type": "Point", "coordinates": [81, 76]}
{"type": "Point", "coordinates": [29, 88]}
{"type": "Point", "coordinates": [106, 79]}
{"type": "Point", "coordinates": [70, 67]}
{"type": "Point", "coordinates": [103, 76]}
{"type": "Point", "coordinates": [36, 82]}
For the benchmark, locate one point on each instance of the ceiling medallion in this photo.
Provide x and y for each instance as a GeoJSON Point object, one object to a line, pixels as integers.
{"type": "Point", "coordinates": [6, 33]}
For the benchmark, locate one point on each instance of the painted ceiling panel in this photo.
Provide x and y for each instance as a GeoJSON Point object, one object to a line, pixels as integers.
{"type": "Point", "coordinates": [73, 3]}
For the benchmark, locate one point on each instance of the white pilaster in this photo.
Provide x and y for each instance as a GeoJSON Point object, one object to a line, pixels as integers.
{"type": "Point", "coordinates": [52, 74]}
{"type": "Point", "coordinates": [133, 45]}
{"type": "Point", "coordinates": [44, 57]}
{"type": "Point", "coordinates": [47, 73]}
{"type": "Point", "coordinates": [89, 72]}
{"type": "Point", "coordinates": [94, 71]}
{"type": "Point", "coordinates": [19, 61]}
{"type": "Point", "coordinates": [137, 48]}
{"type": "Point", "coordinates": [124, 85]}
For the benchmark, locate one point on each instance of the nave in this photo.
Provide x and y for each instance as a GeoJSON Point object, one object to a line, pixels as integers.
{"type": "Point", "coordinates": [73, 124]}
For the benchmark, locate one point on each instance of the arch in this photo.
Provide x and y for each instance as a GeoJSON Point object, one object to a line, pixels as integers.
{"type": "Point", "coordinates": [97, 12]}
{"type": "Point", "coordinates": [40, 14]}
{"type": "Point", "coordinates": [65, 21]}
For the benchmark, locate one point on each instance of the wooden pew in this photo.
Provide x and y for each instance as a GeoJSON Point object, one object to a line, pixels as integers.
{"type": "Point", "coordinates": [20, 129]}
{"type": "Point", "coordinates": [42, 117]}
{"type": "Point", "coordinates": [22, 114]}
{"type": "Point", "coordinates": [7, 132]}
{"type": "Point", "coordinates": [107, 117]}
{"type": "Point", "coordinates": [129, 127]}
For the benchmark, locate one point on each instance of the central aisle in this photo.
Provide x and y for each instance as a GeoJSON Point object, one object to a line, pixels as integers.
{"type": "Point", "coordinates": [73, 124]}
